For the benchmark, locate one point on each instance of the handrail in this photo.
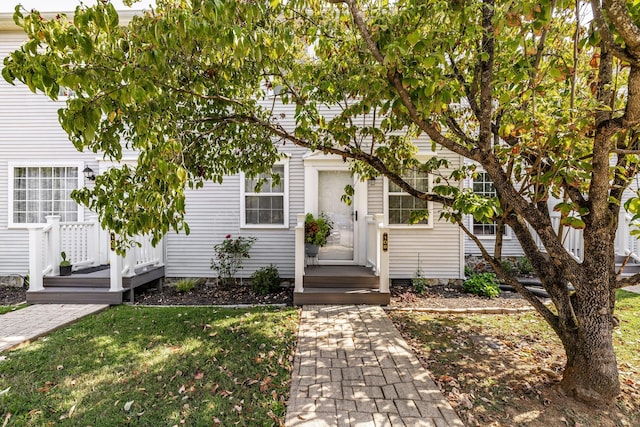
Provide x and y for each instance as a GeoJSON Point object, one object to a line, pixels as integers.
{"type": "Point", "coordinates": [81, 243]}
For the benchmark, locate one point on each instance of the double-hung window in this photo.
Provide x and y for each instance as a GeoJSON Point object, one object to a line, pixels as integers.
{"type": "Point", "coordinates": [37, 191]}
{"type": "Point", "coordinates": [400, 204]}
{"type": "Point", "coordinates": [483, 186]}
{"type": "Point", "coordinates": [268, 207]}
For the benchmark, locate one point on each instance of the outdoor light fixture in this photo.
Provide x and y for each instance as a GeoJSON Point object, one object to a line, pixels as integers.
{"type": "Point", "coordinates": [88, 174]}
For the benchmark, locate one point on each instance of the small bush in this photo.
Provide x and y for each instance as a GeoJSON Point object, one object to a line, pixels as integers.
{"type": "Point", "coordinates": [483, 284]}
{"type": "Point", "coordinates": [508, 267]}
{"type": "Point", "coordinates": [420, 284]}
{"type": "Point", "coordinates": [524, 265]}
{"type": "Point", "coordinates": [185, 285]}
{"type": "Point", "coordinates": [266, 280]}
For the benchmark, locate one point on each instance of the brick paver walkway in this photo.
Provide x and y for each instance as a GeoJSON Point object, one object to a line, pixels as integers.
{"type": "Point", "coordinates": [29, 323]}
{"type": "Point", "coordinates": [352, 368]}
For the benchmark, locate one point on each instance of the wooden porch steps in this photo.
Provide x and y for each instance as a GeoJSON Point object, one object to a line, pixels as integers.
{"type": "Point", "coordinates": [340, 285]}
{"type": "Point", "coordinates": [92, 288]}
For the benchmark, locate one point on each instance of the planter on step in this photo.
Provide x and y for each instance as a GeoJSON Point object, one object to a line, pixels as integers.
{"type": "Point", "coordinates": [311, 250]}
{"type": "Point", "coordinates": [65, 270]}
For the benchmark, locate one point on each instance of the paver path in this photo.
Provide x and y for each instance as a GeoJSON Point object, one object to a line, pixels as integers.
{"type": "Point", "coordinates": [29, 323]}
{"type": "Point", "coordinates": [352, 368]}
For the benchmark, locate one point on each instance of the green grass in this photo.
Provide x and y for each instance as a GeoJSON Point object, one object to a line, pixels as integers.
{"type": "Point", "coordinates": [9, 308]}
{"type": "Point", "coordinates": [154, 367]}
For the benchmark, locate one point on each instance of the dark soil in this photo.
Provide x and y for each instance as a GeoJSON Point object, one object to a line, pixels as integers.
{"type": "Point", "coordinates": [211, 293]}
{"type": "Point", "coordinates": [10, 295]}
{"type": "Point", "coordinates": [450, 296]}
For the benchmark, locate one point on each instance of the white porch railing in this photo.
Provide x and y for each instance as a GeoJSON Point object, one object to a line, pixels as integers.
{"type": "Point", "coordinates": [81, 243]}
{"type": "Point", "coordinates": [626, 244]}
{"type": "Point", "coordinates": [378, 249]}
{"type": "Point", "coordinates": [377, 256]}
{"type": "Point", "coordinates": [573, 241]}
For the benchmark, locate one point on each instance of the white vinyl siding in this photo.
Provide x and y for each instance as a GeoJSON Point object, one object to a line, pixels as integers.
{"type": "Point", "coordinates": [39, 191]}
{"type": "Point", "coordinates": [30, 134]}
{"type": "Point", "coordinates": [268, 207]}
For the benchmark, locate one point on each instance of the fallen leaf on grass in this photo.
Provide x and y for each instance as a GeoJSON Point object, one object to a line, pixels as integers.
{"type": "Point", "coordinates": [127, 406]}
{"type": "Point", "coordinates": [198, 375]}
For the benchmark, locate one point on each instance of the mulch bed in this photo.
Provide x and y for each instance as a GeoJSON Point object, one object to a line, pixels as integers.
{"type": "Point", "coordinates": [210, 293]}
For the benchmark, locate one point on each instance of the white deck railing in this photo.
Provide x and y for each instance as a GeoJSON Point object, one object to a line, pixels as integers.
{"type": "Point", "coordinates": [626, 244]}
{"type": "Point", "coordinates": [573, 239]}
{"type": "Point", "coordinates": [81, 243]}
{"type": "Point", "coordinates": [377, 235]}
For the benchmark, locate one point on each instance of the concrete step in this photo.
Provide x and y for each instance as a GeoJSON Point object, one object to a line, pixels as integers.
{"type": "Point", "coordinates": [74, 295]}
{"type": "Point", "coordinates": [341, 296]}
{"type": "Point", "coordinates": [338, 276]}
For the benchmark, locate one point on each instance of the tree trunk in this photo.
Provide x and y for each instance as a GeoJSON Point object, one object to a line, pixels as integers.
{"type": "Point", "coordinates": [591, 372]}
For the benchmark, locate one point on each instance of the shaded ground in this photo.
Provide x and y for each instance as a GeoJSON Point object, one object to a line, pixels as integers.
{"type": "Point", "coordinates": [503, 371]}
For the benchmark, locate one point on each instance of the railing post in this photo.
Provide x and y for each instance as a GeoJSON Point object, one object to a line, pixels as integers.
{"type": "Point", "coordinates": [115, 268]}
{"type": "Point", "coordinates": [93, 244]}
{"type": "Point", "coordinates": [35, 259]}
{"type": "Point", "coordinates": [383, 251]}
{"type": "Point", "coordinates": [54, 248]}
{"type": "Point", "coordinates": [129, 262]}
{"type": "Point", "coordinates": [299, 253]}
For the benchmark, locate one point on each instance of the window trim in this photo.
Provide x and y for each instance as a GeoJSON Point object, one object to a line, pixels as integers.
{"type": "Point", "coordinates": [38, 164]}
{"type": "Point", "coordinates": [285, 201]}
{"type": "Point", "coordinates": [470, 223]}
{"type": "Point", "coordinates": [385, 203]}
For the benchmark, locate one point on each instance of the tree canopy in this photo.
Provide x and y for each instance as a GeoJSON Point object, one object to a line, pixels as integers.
{"type": "Point", "coordinates": [544, 96]}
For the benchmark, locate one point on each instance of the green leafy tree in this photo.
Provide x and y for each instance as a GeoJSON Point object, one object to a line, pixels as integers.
{"type": "Point", "coordinates": [543, 95]}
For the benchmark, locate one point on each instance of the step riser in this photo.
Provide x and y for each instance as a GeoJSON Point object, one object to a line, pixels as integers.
{"type": "Point", "coordinates": [337, 284]}
{"type": "Point", "coordinates": [79, 297]}
{"type": "Point", "coordinates": [300, 298]}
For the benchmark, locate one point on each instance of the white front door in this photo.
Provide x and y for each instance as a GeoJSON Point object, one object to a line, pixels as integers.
{"type": "Point", "coordinates": [340, 247]}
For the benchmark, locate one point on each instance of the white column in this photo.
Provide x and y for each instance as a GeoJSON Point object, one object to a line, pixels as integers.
{"type": "Point", "coordinates": [54, 248]}
{"type": "Point", "coordinates": [299, 253]}
{"type": "Point", "coordinates": [115, 269]}
{"type": "Point", "coordinates": [383, 250]}
{"type": "Point", "coordinates": [35, 259]}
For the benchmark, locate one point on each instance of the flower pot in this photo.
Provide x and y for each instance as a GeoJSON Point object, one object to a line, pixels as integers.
{"type": "Point", "coordinates": [65, 270]}
{"type": "Point", "coordinates": [311, 250]}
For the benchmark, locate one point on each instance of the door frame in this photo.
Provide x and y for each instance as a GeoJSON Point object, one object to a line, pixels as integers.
{"type": "Point", "coordinates": [315, 162]}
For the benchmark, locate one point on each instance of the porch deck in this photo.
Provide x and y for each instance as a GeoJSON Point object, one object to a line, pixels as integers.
{"type": "Point", "coordinates": [341, 285]}
{"type": "Point", "coordinates": [92, 286]}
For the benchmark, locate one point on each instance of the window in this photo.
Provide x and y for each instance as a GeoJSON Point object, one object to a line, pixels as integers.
{"type": "Point", "coordinates": [39, 191]}
{"type": "Point", "coordinates": [483, 186]}
{"type": "Point", "coordinates": [269, 206]}
{"type": "Point", "coordinates": [400, 204]}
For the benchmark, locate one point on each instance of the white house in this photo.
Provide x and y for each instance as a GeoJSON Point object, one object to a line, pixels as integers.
{"type": "Point", "coordinates": [39, 167]}
{"type": "Point", "coordinates": [371, 243]}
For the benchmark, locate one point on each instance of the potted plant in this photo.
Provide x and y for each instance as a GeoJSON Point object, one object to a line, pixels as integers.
{"type": "Point", "coordinates": [65, 265]}
{"type": "Point", "coordinates": [316, 232]}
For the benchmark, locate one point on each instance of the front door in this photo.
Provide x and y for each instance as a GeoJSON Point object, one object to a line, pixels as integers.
{"type": "Point", "coordinates": [340, 247]}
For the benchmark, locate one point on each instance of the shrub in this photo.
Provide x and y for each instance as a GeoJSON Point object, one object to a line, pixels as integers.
{"type": "Point", "coordinates": [508, 266]}
{"type": "Point", "coordinates": [524, 265]}
{"type": "Point", "coordinates": [483, 284]}
{"type": "Point", "coordinates": [229, 255]}
{"type": "Point", "coordinates": [185, 285]}
{"type": "Point", "coordinates": [420, 284]}
{"type": "Point", "coordinates": [266, 280]}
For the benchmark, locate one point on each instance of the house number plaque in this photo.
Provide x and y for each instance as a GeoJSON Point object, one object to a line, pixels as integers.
{"type": "Point", "coordinates": [385, 242]}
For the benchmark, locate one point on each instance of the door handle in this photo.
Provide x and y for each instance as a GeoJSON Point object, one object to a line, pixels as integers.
{"type": "Point", "coordinates": [356, 213]}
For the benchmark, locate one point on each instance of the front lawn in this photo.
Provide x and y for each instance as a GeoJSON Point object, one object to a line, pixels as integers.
{"type": "Point", "coordinates": [154, 367]}
{"type": "Point", "coordinates": [500, 370]}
